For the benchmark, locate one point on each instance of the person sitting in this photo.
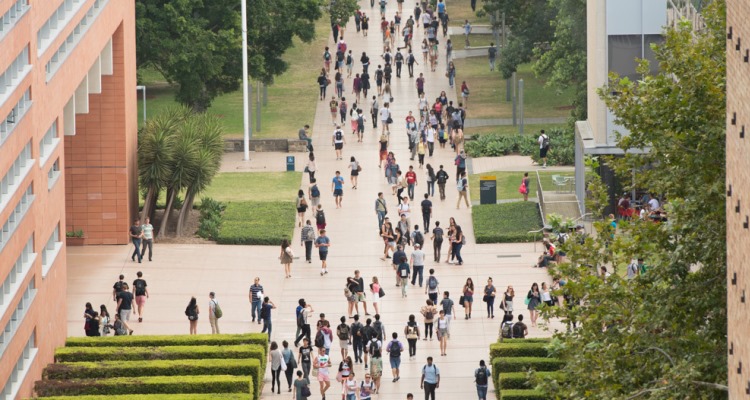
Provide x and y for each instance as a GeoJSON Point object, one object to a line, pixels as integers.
{"type": "Point", "coordinates": [519, 329]}
{"type": "Point", "coordinates": [549, 255]}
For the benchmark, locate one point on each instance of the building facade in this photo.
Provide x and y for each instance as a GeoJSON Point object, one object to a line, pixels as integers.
{"type": "Point", "coordinates": [738, 198]}
{"type": "Point", "coordinates": [68, 140]}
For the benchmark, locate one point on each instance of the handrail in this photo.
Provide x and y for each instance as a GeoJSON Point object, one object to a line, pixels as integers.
{"type": "Point", "coordinates": [535, 232]}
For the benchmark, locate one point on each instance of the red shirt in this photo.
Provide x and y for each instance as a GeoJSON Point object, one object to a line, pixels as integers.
{"type": "Point", "coordinates": [411, 177]}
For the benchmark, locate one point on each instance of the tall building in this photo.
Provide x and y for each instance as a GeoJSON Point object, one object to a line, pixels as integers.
{"type": "Point", "coordinates": [738, 205]}
{"type": "Point", "coordinates": [67, 103]}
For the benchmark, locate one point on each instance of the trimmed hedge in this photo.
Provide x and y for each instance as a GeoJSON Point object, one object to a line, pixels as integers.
{"type": "Point", "coordinates": [533, 349]}
{"type": "Point", "coordinates": [146, 385]}
{"type": "Point", "coordinates": [527, 340]}
{"type": "Point", "coordinates": [506, 222]}
{"type": "Point", "coordinates": [77, 354]}
{"type": "Point", "coordinates": [116, 369]}
{"type": "Point", "coordinates": [257, 223]}
{"type": "Point", "coordinates": [527, 394]}
{"type": "Point", "coordinates": [169, 340]}
{"type": "Point", "coordinates": [181, 396]}
{"type": "Point", "coordinates": [562, 149]}
{"type": "Point", "coordinates": [521, 364]}
{"type": "Point", "coordinates": [519, 380]}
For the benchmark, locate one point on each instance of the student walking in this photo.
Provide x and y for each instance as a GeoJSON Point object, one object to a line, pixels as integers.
{"type": "Point", "coordinates": [411, 331]}
{"type": "Point", "coordinates": [394, 349]}
{"type": "Point", "coordinates": [323, 243]}
{"type": "Point", "coordinates": [265, 314]}
{"type": "Point", "coordinates": [275, 360]}
{"type": "Point", "coordinates": [286, 257]}
{"type": "Point", "coordinates": [148, 238]}
{"type": "Point", "coordinates": [429, 312]}
{"type": "Point", "coordinates": [463, 191]}
{"type": "Point", "coordinates": [437, 241]}
{"type": "Point", "coordinates": [136, 234]}
{"type": "Point", "coordinates": [430, 379]}
{"type": "Point", "coordinates": [307, 237]}
{"type": "Point", "coordinates": [256, 298]}
{"type": "Point", "coordinates": [140, 291]}
{"type": "Point", "coordinates": [481, 378]}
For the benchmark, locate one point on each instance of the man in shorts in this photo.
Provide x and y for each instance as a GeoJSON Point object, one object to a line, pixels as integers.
{"type": "Point", "coordinates": [323, 362]}
{"type": "Point", "coordinates": [337, 187]}
{"type": "Point", "coordinates": [140, 291]}
{"type": "Point", "coordinates": [360, 291]}
{"type": "Point", "coordinates": [338, 141]}
{"type": "Point", "coordinates": [322, 243]}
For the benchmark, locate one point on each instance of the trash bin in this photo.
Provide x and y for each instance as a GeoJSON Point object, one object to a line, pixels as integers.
{"type": "Point", "coordinates": [487, 190]}
{"type": "Point", "coordinates": [289, 163]}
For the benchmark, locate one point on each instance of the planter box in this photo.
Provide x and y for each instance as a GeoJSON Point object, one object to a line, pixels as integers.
{"type": "Point", "coordinates": [75, 241]}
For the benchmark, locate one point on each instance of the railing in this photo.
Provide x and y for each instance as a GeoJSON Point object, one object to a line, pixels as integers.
{"type": "Point", "coordinates": [540, 198]}
{"type": "Point", "coordinates": [535, 232]}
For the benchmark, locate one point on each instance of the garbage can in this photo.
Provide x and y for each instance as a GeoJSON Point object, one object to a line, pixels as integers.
{"type": "Point", "coordinates": [487, 190]}
{"type": "Point", "coordinates": [289, 163]}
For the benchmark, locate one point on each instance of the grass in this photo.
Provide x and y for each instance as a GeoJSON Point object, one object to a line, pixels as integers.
{"type": "Point", "coordinates": [487, 98]}
{"type": "Point", "coordinates": [508, 183]}
{"type": "Point", "coordinates": [254, 186]}
{"type": "Point", "coordinates": [505, 223]}
{"type": "Point", "coordinates": [257, 223]}
{"type": "Point", "coordinates": [460, 10]}
{"type": "Point", "coordinates": [511, 130]}
{"type": "Point", "coordinates": [291, 99]}
{"type": "Point", "coordinates": [479, 40]}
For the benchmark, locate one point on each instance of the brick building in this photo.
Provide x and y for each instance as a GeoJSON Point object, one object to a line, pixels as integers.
{"type": "Point", "coordinates": [738, 197]}
{"type": "Point", "coordinates": [67, 162]}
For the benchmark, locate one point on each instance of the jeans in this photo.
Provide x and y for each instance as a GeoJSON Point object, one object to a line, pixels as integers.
{"type": "Point", "coordinates": [381, 218]}
{"type": "Point", "coordinates": [398, 70]}
{"type": "Point", "coordinates": [457, 252]}
{"type": "Point", "coordinates": [430, 147]}
{"type": "Point", "coordinates": [411, 191]}
{"type": "Point", "coordinates": [275, 379]}
{"type": "Point", "coordinates": [492, 68]}
{"type": "Point", "coordinates": [491, 306]}
{"type": "Point", "coordinates": [482, 392]}
{"type": "Point", "coordinates": [289, 373]}
{"type": "Point", "coordinates": [426, 222]}
{"type": "Point", "coordinates": [441, 187]}
{"type": "Point", "coordinates": [308, 250]}
{"type": "Point", "coordinates": [429, 390]}
{"type": "Point", "coordinates": [412, 347]}
{"type": "Point", "coordinates": [436, 245]}
{"type": "Point", "coordinates": [359, 348]}
{"type": "Point", "coordinates": [433, 297]}
{"type": "Point", "coordinates": [428, 329]}
{"type": "Point", "coordinates": [450, 79]}
{"type": "Point", "coordinates": [137, 251]}
{"type": "Point", "coordinates": [147, 243]}
{"type": "Point", "coordinates": [323, 91]}
{"type": "Point", "coordinates": [305, 334]}
{"type": "Point", "coordinates": [411, 70]}
{"type": "Point", "coordinates": [404, 284]}
{"type": "Point", "coordinates": [267, 327]}
{"type": "Point", "coordinates": [431, 188]}
{"type": "Point", "coordinates": [256, 309]}
{"type": "Point", "coordinates": [351, 396]}
{"type": "Point", "coordinates": [418, 270]}
{"type": "Point", "coordinates": [306, 367]}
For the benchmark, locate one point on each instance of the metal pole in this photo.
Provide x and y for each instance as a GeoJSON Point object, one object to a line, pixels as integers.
{"type": "Point", "coordinates": [257, 110]}
{"type": "Point", "coordinates": [143, 95]}
{"type": "Point", "coordinates": [520, 105]}
{"type": "Point", "coordinates": [245, 89]}
{"type": "Point", "coordinates": [265, 95]}
{"type": "Point", "coordinates": [512, 83]}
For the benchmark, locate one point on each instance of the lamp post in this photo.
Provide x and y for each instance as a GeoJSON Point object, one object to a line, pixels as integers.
{"type": "Point", "coordinates": [245, 90]}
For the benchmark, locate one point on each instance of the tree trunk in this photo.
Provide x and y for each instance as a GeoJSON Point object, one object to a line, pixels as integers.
{"type": "Point", "coordinates": [167, 211]}
{"type": "Point", "coordinates": [187, 205]}
{"type": "Point", "coordinates": [152, 210]}
{"type": "Point", "coordinates": [148, 203]}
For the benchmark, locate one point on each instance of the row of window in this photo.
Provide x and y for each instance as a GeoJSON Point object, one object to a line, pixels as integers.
{"type": "Point", "coordinates": [72, 40]}
{"type": "Point", "coordinates": [12, 283]}
{"type": "Point", "coordinates": [59, 19]}
{"type": "Point", "coordinates": [9, 123]}
{"type": "Point", "coordinates": [18, 374]}
{"type": "Point", "coordinates": [15, 320]}
{"type": "Point", "coordinates": [15, 218]}
{"type": "Point", "coordinates": [48, 143]}
{"type": "Point", "coordinates": [9, 19]}
{"type": "Point", "coordinates": [14, 74]}
{"type": "Point", "coordinates": [15, 175]}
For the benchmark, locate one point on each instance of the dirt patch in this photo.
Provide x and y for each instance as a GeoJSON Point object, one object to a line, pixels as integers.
{"type": "Point", "coordinates": [191, 227]}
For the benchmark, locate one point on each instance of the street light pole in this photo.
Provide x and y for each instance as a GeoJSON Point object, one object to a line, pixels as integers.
{"type": "Point", "coordinates": [245, 90]}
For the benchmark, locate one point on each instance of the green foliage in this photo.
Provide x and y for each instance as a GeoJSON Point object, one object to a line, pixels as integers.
{"type": "Point", "coordinates": [562, 151]}
{"type": "Point", "coordinates": [146, 385]}
{"type": "Point", "coordinates": [78, 233]}
{"type": "Point", "coordinates": [341, 11]}
{"type": "Point", "coordinates": [169, 340]}
{"type": "Point", "coordinates": [162, 396]}
{"type": "Point", "coordinates": [532, 349]}
{"type": "Point", "coordinates": [505, 222]}
{"type": "Point", "coordinates": [663, 334]}
{"type": "Point", "coordinates": [257, 223]}
{"type": "Point", "coordinates": [129, 353]}
{"type": "Point", "coordinates": [522, 364]}
{"type": "Point", "coordinates": [119, 368]}
{"type": "Point", "coordinates": [520, 380]}
{"type": "Point", "coordinates": [210, 218]}
{"type": "Point", "coordinates": [523, 394]}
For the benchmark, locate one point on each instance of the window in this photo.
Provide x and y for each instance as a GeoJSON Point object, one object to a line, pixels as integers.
{"type": "Point", "coordinates": [16, 276]}
{"type": "Point", "coordinates": [51, 249]}
{"type": "Point", "coordinates": [15, 175]}
{"type": "Point", "coordinates": [72, 40]}
{"type": "Point", "coordinates": [18, 373]}
{"type": "Point", "coordinates": [48, 144]}
{"type": "Point", "coordinates": [14, 74]}
{"type": "Point", "coordinates": [53, 174]}
{"type": "Point", "coordinates": [17, 318]}
{"type": "Point", "coordinates": [9, 19]}
{"type": "Point", "coordinates": [15, 218]}
{"type": "Point", "coordinates": [9, 123]}
{"type": "Point", "coordinates": [55, 24]}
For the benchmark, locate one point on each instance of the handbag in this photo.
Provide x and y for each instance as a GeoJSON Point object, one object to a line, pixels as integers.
{"type": "Point", "coordinates": [307, 169]}
{"type": "Point", "coordinates": [306, 391]}
{"type": "Point", "coordinates": [381, 292]}
{"type": "Point", "coordinates": [486, 298]}
{"type": "Point", "coordinates": [461, 300]}
{"type": "Point", "coordinates": [359, 168]}
{"type": "Point", "coordinates": [283, 366]}
{"type": "Point", "coordinates": [527, 301]}
{"type": "Point", "coordinates": [389, 120]}
{"type": "Point", "coordinates": [522, 189]}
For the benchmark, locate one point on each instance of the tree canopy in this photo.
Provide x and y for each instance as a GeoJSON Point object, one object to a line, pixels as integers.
{"type": "Point", "coordinates": [661, 335]}
{"type": "Point", "coordinates": [197, 44]}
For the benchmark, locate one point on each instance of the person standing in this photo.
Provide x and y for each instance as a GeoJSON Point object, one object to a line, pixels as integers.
{"type": "Point", "coordinates": [457, 242]}
{"type": "Point", "coordinates": [213, 316]}
{"type": "Point", "coordinates": [534, 299]}
{"type": "Point", "coordinates": [525, 185]}
{"type": "Point", "coordinates": [303, 321]}
{"type": "Point", "coordinates": [323, 243]}
{"type": "Point", "coordinates": [140, 291]}
{"type": "Point", "coordinates": [403, 272]}
{"type": "Point", "coordinates": [381, 210]}
{"type": "Point", "coordinates": [489, 297]}
{"type": "Point", "coordinates": [394, 349]}
{"type": "Point", "coordinates": [481, 378]}
{"type": "Point", "coordinates": [442, 178]}
{"type": "Point", "coordinates": [492, 55]}
{"type": "Point", "coordinates": [544, 143]}
{"type": "Point", "coordinates": [265, 314]}
{"type": "Point", "coordinates": [411, 331]}
{"type": "Point", "coordinates": [136, 234]}
{"type": "Point", "coordinates": [463, 191]}
{"type": "Point", "coordinates": [148, 238]}
{"type": "Point", "coordinates": [430, 379]}
{"type": "Point", "coordinates": [417, 264]}
{"type": "Point", "coordinates": [93, 320]}
{"type": "Point", "coordinates": [275, 360]}
{"type": "Point", "coordinates": [192, 311]}
{"type": "Point", "coordinates": [307, 237]}
{"type": "Point", "coordinates": [256, 298]}
{"type": "Point", "coordinates": [360, 292]}
{"type": "Point", "coordinates": [437, 241]}
{"type": "Point", "coordinates": [337, 187]}
{"type": "Point", "coordinates": [286, 257]}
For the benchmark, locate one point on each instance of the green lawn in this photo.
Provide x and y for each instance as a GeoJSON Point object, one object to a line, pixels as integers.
{"type": "Point", "coordinates": [257, 223]}
{"type": "Point", "coordinates": [510, 129]}
{"type": "Point", "coordinates": [460, 10]}
{"type": "Point", "coordinates": [487, 98]}
{"type": "Point", "coordinates": [508, 183]}
{"type": "Point", "coordinates": [505, 223]}
{"type": "Point", "coordinates": [474, 41]}
{"type": "Point", "coordinates": [254, 186]}
{"type": "Point", "coordinates": [291, 99]}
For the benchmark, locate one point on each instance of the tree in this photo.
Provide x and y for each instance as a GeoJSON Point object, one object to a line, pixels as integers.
{"type": "Point", "coordinates": [196, 43]}
{"type": "Point", "coordinates": [342, 10]}
{"type": "Point", "coordinates": [661, 335]}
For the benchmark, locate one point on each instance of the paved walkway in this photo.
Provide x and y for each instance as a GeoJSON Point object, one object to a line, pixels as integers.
{"type": "Point", "coordinates": [477, 122]}
{"type": "Point", "coordinates": [512, 163]}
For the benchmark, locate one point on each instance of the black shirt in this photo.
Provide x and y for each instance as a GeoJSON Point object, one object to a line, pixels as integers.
{"type": "Point", "coordinates": [426, 206]}
{"type": "Point", "coordinates": [361, 285]}
{"type": "Point", "coordinates": [306, 353]}
{"type": "Point", "coordinates": [118, 286]}
{"type": "Point", "coordinates": [135, 230]}
{"type": "Point", "coordinates": [127, 300]}
{"type": "Point", "coordinates": [141, 291]}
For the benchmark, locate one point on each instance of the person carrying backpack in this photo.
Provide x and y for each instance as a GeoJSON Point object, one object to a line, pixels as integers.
{"type": "Point", "coordinates": [394, 349]}
{"type": "Point", "coordinates": [544, 144]}
{"type": "Point", "coordinates": [481, 375]}
{"type": "Point", "coordinates": [357, 335]}
{"type": "Point", "coordinates": [343, 332]}
{"type": "Point", "coordinates": [430, 379]}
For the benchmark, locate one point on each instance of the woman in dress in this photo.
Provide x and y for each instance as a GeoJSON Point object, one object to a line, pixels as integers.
{"type": "Point", "coordinates": [468, 292]}
{"type": "Point", "coordinates": [507, 304]}
{"type": "Point", "coordinates": [301, 207]}
{"type": "Point", "coordinates": [287, 357]}
{"type": "Point", "coordinates": [274, 360]}
{"type": "Point", "coordinates": [376, 368]}
{"type": "Point", "coordinates": [106, 320]}
{"type": "Point", "coordinates": [375, 293]}
{"type": "Point", "coordinates": [442, 333]}
{"type": "Point", "coordinates": [299, 384]}
{"type": "Point", "coordinates": [286, 256]}
{"type": "Point", "coordinates": [534, 298]}
{"type": "Point", "coordinates": [389, 241]}
{"type": "Point", "coordinates": [354, 166]}
{"type": "Point", "coordinates": [489, 298]}
{"type": "Point", "coordinates": [429, 312]}
{"type": "Point", "coordinates": [192, 312]}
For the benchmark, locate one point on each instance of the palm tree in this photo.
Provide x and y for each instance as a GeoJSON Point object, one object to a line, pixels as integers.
{"type": "Point", "coordinates": [184, 167]}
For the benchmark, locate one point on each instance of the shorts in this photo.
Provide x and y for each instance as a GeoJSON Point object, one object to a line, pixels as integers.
{"type": "Point", "coordinates": [323, 255]}
{"type": "Point", "coordinates": [543, 152]}
{"type": "Point", "coordinates": [323, 376]}
{"type": "Point", "coordinates": [140, 301]}
{"type": "Point", "coordinates": [338, 192]}
{"type": "Point", "coordinates": [360, 297]}
{"type": "Point", "coordinates": [355, 172]}
{"type": "Point", "coordinates": [343, 343]}
{"type": "Point", "coordinates": [469, 299]}
{"type": "Point", "coordinates": [395, 362]}
{"type": "Point", "coordinates": [321, 226]}
{"type": "Point", "coordinates": [338, 146]}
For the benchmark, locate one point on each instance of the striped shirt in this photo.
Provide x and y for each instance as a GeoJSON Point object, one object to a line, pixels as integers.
{"type": "Point", "coordinates": [255, 289]}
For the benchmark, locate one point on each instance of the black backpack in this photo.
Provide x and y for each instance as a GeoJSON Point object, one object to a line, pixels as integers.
{"type": "Point", "coordinates": [395, 349]}
{"type": "Point", "coordinates": [481, 376]}
{"type": "Point", "coordinates": [545, 140]}
{"type": "Point", "coordinates": [419, 238]}
{"type": "Point", "coordinates": [320, 341]}
{"type": "Point", "coordinates": [378, 327]}
{"type": "Point", "coordinates": [264, 311]}
{"type": "Point", "coordinates": [339, 135]}
{"type": "Point", "coordinates": [320, 217]}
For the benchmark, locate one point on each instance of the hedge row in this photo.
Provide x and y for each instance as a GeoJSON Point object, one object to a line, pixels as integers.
{"type": "Point", "coordinates": [520, 364]}
{"type": "Point", "coordinates": [169, 340]}
{"type": "Point", "coordinates": [74, 354]}
{"type": "Point", "coordinates": [181, 396]}
{"type": "Point", "coordinates": [146, 385]}
{"type": "Point", "coordinates": [519, 380]}
{"type": "Point", "coordinates": [522, 394]}
{"type": "Point", "coordinates": [116, 369]}
{"type": "Point", "coordinates": [257, 223]}
{"type": "Point", "coordinates": [532, 349]}
{"type": "Point", "coordinates": [506, 222]}
{"type": "Point", "coordinates": [526, 340]}
{"type": "Point", "coordinates": [562, 149]}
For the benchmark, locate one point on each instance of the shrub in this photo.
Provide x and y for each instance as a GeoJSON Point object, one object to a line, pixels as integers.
{"type": "Point", "coordinates": [526, 340]}
{"type": "Point", "coordinates": [146, 385]}
{"type": "Point", "coordinates": [515, 394]}
{"type": "Point", "coordinates": [518, 350]}
{"type": "Point", "coordinates": [74, 354]}
{"type": "Point", "coordinates": [521, 364]}
{"type": "Point", "coordinates": [518, 380]}
{"type": "Point", "coordinates": [562, 150]}
{"type": "Point", "coordinates": [210, 218]}
{"type": "Point", "coordinates": [506, 222]}
{"type": "Point", "coordinates": [181, 396]}
{"type": "Point", "coordinates": [169, 340]}
{"type": "Point", "coordinates": [257, 223]}
{"type": "Point", "coordinates": [114, 369]}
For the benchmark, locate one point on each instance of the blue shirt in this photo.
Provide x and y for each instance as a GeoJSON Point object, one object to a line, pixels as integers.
{"type": "Point", "coordinates": [441, 7]}
{"type": "Point", "coordinates": [338, 183]}
{"type": "Point", "coordinates": [430, 373]}
{"type": "Point", "coordinates": [323, 240]}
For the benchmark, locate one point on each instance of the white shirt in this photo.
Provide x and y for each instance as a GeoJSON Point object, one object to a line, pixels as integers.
{"type": "Point", "coordinates": [342, 136]}
{"type": "Point", "coordinates": [653, 203]}
{"type": "Point", "coordinates": [430, 135]}
{"type": "Point", "coordinates": [212, 307]}
{"type": "Point", "coordinates": [404, 209]}
{"type": "Point", "coordinates": [541, 141]}
{"type": "Point", "coordinates": [426, 19]}
{"type": "Point", "coordinates": [384, 114]}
